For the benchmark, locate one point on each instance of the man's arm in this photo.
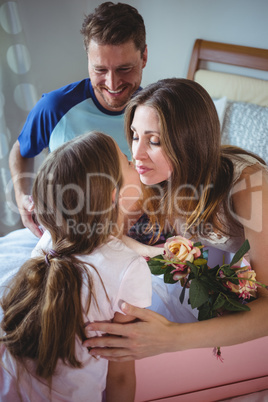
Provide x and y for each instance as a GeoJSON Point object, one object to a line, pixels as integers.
{"type": "Point", "coordinates": [22, 172]}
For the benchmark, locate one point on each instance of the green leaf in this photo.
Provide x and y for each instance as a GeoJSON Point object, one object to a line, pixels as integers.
{"type": "Point", "coordinates": [157, 267]}
{"type": "Point", "coordinates": [234, 305]}
{"type": "Point", "coordinates": [240, 253]}
{"type": "Point", "coordinates": [157, 270]}
{"type": "Point", "coordinates": [198, 244]}
{"type": "Point", "coordinates": [200, 261]}
{"type": "Point", "coordinates": [205, 312]}
{"type": "Point", "coordinates": [198, 293]}
{"type": "Point", "coordinates": [213, 271]}
{"type": "Point", "coordinates": [219, 302]}
{"type": "Point", "coordinates": [227, 271]}
{"type": "Point", "coordinates": [194, 269]}
{"type": "Point", "coordinates": [168, 277]}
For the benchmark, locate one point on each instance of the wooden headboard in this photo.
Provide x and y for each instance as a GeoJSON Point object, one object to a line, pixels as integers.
{"type": "Point", "coordinates": [242, 56]}
{"type": "Point", "coordinates": [235, 87]}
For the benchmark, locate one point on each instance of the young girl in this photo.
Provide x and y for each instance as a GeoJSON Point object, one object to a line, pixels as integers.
{"type": "Point", "coordinates": [78, 193]}
{"type": "Point", "coordinates": [192, 186]}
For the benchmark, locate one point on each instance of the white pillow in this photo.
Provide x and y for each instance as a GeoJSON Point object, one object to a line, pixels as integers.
{"type": "Point", "coordinates": [220, 105]}
{"type": "Point", "coordinates": [246, 126]}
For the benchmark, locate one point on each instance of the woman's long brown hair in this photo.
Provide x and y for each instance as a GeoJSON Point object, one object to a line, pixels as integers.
{"type": "Point", "coordinates": [190, 137]}
{"type": "Point", "coordinates": [42, 304]}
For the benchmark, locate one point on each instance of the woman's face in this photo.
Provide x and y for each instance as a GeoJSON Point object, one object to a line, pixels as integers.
{"type": "Point", "coordinates": [152, 163]}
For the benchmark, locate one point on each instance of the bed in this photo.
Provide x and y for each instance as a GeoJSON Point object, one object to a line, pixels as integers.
{"type": "Point", "coordinates": [242, 105]}
{"type": "Point", "coordinates": [196, 375]}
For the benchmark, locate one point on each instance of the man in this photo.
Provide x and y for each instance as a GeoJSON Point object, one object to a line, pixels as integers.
{"type": "Point", "coordinates": [115, 42]}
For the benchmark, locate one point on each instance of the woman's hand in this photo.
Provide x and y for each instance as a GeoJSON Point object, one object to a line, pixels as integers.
{"type": "Point", "coordinates": [151, 335]}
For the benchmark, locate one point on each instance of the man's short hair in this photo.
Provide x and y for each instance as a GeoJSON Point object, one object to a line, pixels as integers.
{"type": "Point", "coordinates": [114, 24]}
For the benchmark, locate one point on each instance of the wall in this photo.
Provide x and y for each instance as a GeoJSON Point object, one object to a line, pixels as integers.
{"type": "Point", "coordinates": [173, 28]}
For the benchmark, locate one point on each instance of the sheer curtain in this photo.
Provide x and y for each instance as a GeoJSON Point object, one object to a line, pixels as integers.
{"type": "Point", "coordinates": [17, 97]}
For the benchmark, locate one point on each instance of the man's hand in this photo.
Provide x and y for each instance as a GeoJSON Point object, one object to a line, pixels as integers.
{"type": "Point", "coordinates": [22, 172]}
{"type": "Point", "coordinates": [28, 217]}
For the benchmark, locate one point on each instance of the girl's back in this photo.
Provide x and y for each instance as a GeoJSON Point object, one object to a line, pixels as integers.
{"type": "Point", "coordinates": [121, 271]}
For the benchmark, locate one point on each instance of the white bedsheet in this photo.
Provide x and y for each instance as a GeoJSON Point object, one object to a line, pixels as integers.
{"type": "Point", "coordinates": [15, 249]}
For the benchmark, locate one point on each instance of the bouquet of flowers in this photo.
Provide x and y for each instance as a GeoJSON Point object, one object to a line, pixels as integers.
{"type": "Point", "coordinates": [212, 290]}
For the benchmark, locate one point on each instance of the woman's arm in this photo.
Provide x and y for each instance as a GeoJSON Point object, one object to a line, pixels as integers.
{"type": "Point", "coordinates": [121, 379]}
{"type": "Point", "coordinates": [154, 334]}
{"type": "Point", "coordinates": [142, 249]}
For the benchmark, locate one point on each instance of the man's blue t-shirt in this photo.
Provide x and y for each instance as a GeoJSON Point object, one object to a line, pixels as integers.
{"type": "Point", "coordinates": [65, 113]}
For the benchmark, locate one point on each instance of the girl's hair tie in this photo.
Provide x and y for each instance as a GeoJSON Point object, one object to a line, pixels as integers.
{"type": "Point", "coordinates": [52, 253]}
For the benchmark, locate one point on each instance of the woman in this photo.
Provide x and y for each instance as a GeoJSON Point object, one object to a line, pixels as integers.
{"type": "Point", "coordinates": [192, 186]}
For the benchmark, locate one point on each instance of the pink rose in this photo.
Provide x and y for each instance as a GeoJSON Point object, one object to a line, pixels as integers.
{"type": "Point", "coordinates": [179, 250]}
{"type": "Point", "coordinates": [247, 286]}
